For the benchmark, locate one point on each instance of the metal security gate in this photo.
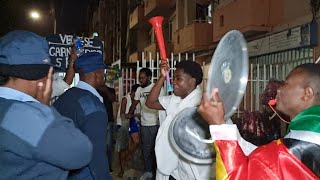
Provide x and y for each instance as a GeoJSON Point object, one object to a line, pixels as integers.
{"type": "Point", "coordinates": [261, 70]}
{"type": "Point", "coordinates": [130, 75]}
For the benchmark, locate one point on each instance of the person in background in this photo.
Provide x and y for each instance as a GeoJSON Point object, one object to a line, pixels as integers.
{"type": "Point", "coordinates": [186, 93]}
{"type": "Point", "coordinates": [36, 142]}
{"type": "Point", "coordinates": [149, 122]}
{"type": "Point", "coordinates": [85, 106]}
{"type": "Point", "coordinates": [262, 126]}
{"type": "Point", "coordinates": [59, 84]}
{"type": "Point", "coordinates": [296, 156]}
{"type": "Point", "coordinates": [109, 96]}
{"type": "Point", "coordinates": [122, 141]}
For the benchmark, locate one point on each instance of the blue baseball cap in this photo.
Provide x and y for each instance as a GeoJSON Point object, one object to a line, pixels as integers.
{"type": "Point", "coordinates": [23, 47]}
{"type": "Point", "coordinates": [24, 55]}
{"type": "Point", "coordinates": [89, 62]}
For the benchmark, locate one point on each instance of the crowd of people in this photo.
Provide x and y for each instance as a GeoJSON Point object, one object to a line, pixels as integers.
{"type": "Point", "coordinates": [72, 138]}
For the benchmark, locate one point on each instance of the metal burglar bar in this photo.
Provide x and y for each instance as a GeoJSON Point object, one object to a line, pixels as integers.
{"type": "Point", "coordinates": [272, 66]}
{"type": "Point", "coordinates": [130, 76]}
{"type": "Point", "coordinates": [261, 70]}
{"type": "Point", "coordinates": [153, 65]}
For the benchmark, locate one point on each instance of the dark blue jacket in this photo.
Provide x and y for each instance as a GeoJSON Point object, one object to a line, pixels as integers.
{"type": "Point", "coordinates": [89, 115]}
{"type": "Point", "coordinates": [36, 142]}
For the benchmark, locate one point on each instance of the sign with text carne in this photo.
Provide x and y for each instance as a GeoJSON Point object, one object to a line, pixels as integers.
{"type": "Point", "coordinates": [60, 47]}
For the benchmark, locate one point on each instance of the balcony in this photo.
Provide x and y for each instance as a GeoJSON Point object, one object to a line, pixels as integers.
{"type": "Point", "coordinates": [156, 7]}
{"type": "Point", "coordinates": [203, 2]}
{"type": "Point", "coordinates": [251, 17]}
{"type": "Point", "coordinates": [153, 49]}
{"type": "Point", "coordinates": [134, 57]}
{"type": "Point", "coordinates": [136, 17]}
{"type": "Point", "coordinates": [193, 37]}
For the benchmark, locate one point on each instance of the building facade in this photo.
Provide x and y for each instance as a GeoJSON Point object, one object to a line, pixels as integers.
{"type": "Point", "coordinates": [280, 34]}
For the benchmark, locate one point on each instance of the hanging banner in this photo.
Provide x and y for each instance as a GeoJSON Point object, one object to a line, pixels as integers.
{"type": "Point", "coordinates": [60, 47]}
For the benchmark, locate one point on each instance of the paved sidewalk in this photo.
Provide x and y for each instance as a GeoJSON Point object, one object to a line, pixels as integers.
{"type": "Point", "coordinates": [133, 169]}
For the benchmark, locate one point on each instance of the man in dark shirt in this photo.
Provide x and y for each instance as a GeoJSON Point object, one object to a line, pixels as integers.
{"type": "Point", "coordinates": [109, 96]}
{"type": "Point", "coordinates": [36, 142]}
{"type": "Point", "coordinates": [85, 106]}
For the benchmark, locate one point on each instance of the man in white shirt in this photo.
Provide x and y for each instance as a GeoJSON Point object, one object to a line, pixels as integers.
{"type": "Point", "coordinates": [149, 122]}
{"type": "Point", "coordinates": [187, 93]}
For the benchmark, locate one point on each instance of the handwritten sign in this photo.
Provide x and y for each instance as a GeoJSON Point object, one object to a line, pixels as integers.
{"type": "Point", "coordinates": [60, 47]}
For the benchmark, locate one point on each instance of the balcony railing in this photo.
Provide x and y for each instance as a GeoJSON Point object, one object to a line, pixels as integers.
{"type": "Point", "coordinates": [134, 57]}
{"type": "Point", "coordinates": [193, 37]}
{"type": "Point", "coordinates": [251, 17]}
{"type": "Point", "coordinates": [136, 17]}
{"type": "Point", "coordinates": [151, 50]}
{"type": "Point", "coordinates": [156, 7]}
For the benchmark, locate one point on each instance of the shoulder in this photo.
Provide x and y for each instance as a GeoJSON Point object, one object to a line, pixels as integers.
{"type": "Point", "coordinates": [28, 121]}
{"type": "Point", "coordinates": [76, 97]}
{"type": "Point", "coordinates": [90, 103]}
{"type": "Point", "coordinates": [150, 86]}
{"type": "Point", "coordinates": [165, 101]}
{"type": "Point", "coordinates": [139, 89]}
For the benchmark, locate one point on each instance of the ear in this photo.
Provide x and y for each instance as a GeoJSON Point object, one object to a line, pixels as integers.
{"type": "Point", "coordinates": [193, 82]}
{"type": "Point", "coordinates": [308, 93]}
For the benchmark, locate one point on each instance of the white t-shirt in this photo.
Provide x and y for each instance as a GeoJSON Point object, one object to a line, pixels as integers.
{"type": "Point", "coordinates": [59, 86]}
{"type": "Point", "coordinates": [128, 105]}
{"type": "Point", "coordinates": [149, 117]}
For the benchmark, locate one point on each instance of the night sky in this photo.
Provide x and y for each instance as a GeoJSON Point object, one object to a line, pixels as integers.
{"type": "Point", "coordinates": [71, 16]}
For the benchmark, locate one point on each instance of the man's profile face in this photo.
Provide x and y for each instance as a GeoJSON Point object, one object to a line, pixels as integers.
{"type": "Point", "coordinates": [100, 77]}
{"type": "Point", "coordinates": [290, 95]}
{"type": "Point", "coordinates": [144, 79]}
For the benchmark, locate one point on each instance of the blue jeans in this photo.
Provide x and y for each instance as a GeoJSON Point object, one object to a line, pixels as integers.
{"type": "Point", "coordinates": [148, 138]}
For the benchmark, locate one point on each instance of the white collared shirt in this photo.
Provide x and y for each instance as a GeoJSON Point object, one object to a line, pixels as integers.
{"type": "Point", "coordinates": [13, 94]}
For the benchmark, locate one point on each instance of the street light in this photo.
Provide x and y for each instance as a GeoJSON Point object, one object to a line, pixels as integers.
{"type": "Point", "coordinates": [34, 15]}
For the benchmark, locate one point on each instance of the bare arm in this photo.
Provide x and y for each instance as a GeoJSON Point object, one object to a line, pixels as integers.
{"type": "Point", "coordinates": [152, 100]}
{"type": "Point", "coordinates": [133, 106]}
{"type": "Point", "coordinates": [123, 106]}
{"type": "Point", "coordinates": [70, 71]}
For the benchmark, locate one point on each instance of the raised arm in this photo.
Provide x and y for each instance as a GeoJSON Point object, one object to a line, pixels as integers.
{"type": "Point", "coordinates": [152, 100]}
{"type": "Point", "coordinates": [70, 71]}
{"type": "Point", "coordinates": [231, 162]}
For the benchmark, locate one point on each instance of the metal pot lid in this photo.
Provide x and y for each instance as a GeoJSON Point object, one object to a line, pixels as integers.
{"type": "Point", "coordinates": [229, 70]}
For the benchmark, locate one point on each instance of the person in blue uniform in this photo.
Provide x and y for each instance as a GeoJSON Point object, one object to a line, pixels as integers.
{"type": "Point", "coordinates": [36, 142]}
{"type": "Point", "coordinates": [85, 106]}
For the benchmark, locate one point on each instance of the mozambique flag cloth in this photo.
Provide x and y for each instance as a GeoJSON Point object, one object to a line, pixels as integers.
{"type": "Point", "coordinates": [296, 156]}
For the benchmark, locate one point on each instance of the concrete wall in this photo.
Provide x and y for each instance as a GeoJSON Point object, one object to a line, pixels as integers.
{"type": "Point", "coordinates": [246, 15]}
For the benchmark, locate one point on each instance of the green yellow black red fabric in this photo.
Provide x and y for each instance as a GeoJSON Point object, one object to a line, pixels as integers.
{"type": "Point", "coordinates": [274, 160]}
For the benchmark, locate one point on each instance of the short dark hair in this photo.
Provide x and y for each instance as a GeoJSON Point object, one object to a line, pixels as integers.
{"type": "Point", "coordinates": [312, 70]}
{"type": "Point", "coordinates": [135, 87]}
{"type": "Point", "coordinates": [192, 68]}
{"type": "Point", "coordinates": [146, 71]}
